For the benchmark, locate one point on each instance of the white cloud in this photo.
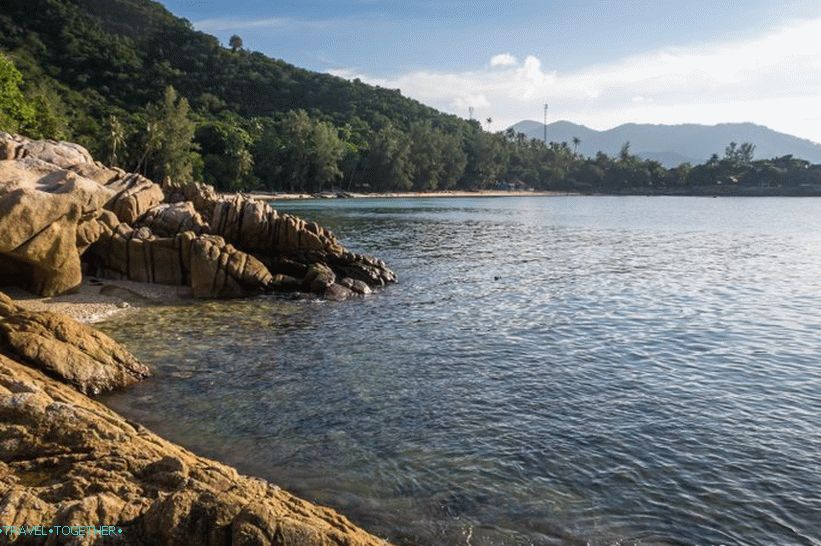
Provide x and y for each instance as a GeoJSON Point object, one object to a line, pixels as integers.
{"type": "Point", "coordinates": [232, 24]}
{"type": "Point", "coordinates": [222, 23]}
{"type": "Point", "coordinates": [774, 80]}
{"type": "Point", "coordinates": [503, 59]}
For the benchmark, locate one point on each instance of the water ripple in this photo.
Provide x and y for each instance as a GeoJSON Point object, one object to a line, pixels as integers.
{"type": "Point", "coordinates": [549, 371]}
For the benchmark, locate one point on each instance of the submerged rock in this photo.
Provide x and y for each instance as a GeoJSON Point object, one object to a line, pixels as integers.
{"type": "Point", "coordinates": [68, 460]}
{"type": "Point", "coordinates": [58, 206]}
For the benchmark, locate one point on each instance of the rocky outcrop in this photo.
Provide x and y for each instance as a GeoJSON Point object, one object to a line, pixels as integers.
{"type": "Point", "coordinates": [77, 354]}
{"type": "Point", "coordinates": [59, 209]}
{"type": "Point", "coordinates": [169, 219]}
{"type": "Point", "coordinates": [281, 241]}
{"type": "Point", "coordinates": [68, 460]}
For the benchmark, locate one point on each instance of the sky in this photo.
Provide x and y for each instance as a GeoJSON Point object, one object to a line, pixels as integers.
{"type": "Point", "coordinates": [595, 62]}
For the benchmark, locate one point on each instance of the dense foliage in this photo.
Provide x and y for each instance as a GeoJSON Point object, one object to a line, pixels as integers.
{"type": "Point", "coordinates": [144, 90]}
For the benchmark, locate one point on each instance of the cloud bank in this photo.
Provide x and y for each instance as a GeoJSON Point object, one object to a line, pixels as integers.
{"type": "Point", "coordinates": [774, 80]}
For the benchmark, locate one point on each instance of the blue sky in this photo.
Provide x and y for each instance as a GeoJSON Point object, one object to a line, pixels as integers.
{"type": "Point", "coordinates": [574, 54]}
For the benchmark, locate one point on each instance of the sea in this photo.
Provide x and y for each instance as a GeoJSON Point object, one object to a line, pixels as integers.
{"type": "Point", "coordinates": [548, 370]}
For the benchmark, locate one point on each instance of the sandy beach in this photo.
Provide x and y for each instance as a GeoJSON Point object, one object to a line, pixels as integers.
{"type": "Point", "coordinates": [99, 299]}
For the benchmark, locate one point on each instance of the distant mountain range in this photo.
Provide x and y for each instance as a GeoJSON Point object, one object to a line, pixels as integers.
{"type": "Point", "coordinates": [674, 144]}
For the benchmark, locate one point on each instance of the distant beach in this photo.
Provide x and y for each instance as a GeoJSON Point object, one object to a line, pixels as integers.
{"type": "Point", "coordinates": [404, 195]}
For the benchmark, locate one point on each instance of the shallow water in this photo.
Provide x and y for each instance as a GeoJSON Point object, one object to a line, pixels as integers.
{"type": "Point", "coordinates": [555, 370]}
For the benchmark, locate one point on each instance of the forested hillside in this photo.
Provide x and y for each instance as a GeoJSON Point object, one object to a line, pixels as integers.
{"type": "Point", "coordinates": [143, 90]}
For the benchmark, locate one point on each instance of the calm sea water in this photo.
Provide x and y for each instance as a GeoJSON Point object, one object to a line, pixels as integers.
{"type": "Point", "coordinates": [560, 370]}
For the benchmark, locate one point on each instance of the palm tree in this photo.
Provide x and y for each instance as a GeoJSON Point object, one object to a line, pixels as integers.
{"type": "Point", "coordinates": [116, 139]}
{"type": "Point", "coordinates": [576, 142]}
{"type": "Point", "coordinates": [152, 141]}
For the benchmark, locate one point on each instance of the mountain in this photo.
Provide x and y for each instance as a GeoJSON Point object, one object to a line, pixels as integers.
{"type": "Point", "coordinates": [674, 144]}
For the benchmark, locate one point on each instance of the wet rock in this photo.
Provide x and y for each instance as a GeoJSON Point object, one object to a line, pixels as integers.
{"type": "Point", "coordinates": [355, 285]}
{"type": "Point", "coordinates": [337, 292]}
{"type": "Point", "coordinates": [285, 283]}
{"type": "Point", "coordinates": [318, 278]}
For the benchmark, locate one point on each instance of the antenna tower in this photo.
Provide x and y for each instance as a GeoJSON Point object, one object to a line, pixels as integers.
{"type": "Point", "coordinates": [545, 123]}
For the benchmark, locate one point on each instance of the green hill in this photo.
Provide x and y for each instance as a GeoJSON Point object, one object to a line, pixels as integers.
{"type": "Point", "coordinates": [123, 53]}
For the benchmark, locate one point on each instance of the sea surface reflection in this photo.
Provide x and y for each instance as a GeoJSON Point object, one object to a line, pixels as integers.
{"type": "Point", "coordinates": [558, 370]}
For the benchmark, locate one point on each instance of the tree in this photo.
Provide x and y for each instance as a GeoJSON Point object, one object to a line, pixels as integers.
{"type": "Point", "coordinates": [49, 119]}
{"type": "Point", "coordinates": [678, 176]}
{"type": "Point", "coordinates": [624, 154]}
{"type": "Point", "coordinates": [227, 159]}
{"type": "Point", "coordinates": [453, 161]}
{"type": "Point", "coordinates": [150, 144]}
{"type": "Point", "coordinates": [388, 165]}
{"type": "Point", "coordinates": [235, 42]}
{"type": "Point", "coordinates": [576, 142]}
{"type": "Point", "coordinates": [116, 139]}
{"type": "Point", "coordinates": [739, 155]}
{"type": "Point", "coordinates": [487, 159]}
{"type": "Point", "coordinates": [298, 153]}
{"type": "Point", "coordinates": [326, 152]}
{"type": "Point", "coordinates": [172, 142]}
{"type": "Point", "coordinates": [16, 112]}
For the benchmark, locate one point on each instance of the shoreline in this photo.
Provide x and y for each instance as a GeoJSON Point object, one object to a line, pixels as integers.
{"type": "Point", "coordinates": [711, 191]}
{"type": "Point", "coordinates": [72, 462]}
{"type": "Point", "coordinates": [269, 196]}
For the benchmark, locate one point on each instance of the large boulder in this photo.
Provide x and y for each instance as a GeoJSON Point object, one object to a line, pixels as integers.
{"type": "Point", "coordinates": [57, 153]}
{"type": "Point", "coordinates": [206, 263]}
{"type": "Point", "coordinates": [44, 211]}
{"type": "Point", "coordinates": [169, 219]}
{"type": "Point", "coordinates": [255, 227]}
